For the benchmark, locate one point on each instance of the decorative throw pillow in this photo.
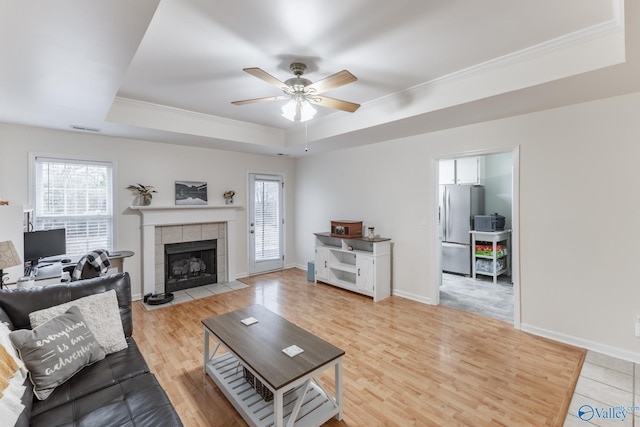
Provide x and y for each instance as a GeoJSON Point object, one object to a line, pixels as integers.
{"type": "Point", "coordinates": [12, 378]}
{"type": "Point", "coordinates": [56, 351]}
{"type": "Point", "coordinates": [101, 313]}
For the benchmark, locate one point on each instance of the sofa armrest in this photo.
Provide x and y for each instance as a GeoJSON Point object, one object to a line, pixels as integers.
{"type": "Point", "coordinates": [18, 303]}
{"type": "Point", "coordinates": [4, 318]}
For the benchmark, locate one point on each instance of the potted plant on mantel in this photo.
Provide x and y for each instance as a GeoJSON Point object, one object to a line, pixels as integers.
{"type": "Point", "coordinates": [145, 193]}
{"type": "Point", "coordinates": [228, 197]}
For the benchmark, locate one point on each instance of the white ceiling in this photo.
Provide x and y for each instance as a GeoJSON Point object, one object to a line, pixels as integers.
{"type": "Point", "coordinates": [167, 70]}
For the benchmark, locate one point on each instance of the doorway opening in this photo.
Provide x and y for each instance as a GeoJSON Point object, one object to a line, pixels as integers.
{"type": "Point", "coordinates": [477, 264]}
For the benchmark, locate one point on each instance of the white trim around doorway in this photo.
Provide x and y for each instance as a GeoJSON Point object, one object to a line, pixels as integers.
{"type": "Point", "coordinates": [515, 223]}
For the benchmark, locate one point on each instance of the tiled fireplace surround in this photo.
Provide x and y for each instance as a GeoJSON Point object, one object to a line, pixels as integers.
{"type": "Point", "coordinates": [167, 234]}
{"type": "Point", "coordinates": [175, 224]}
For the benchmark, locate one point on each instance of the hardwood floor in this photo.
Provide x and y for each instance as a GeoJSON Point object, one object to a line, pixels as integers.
{"type": "Point", "coordinates": [406, 363]}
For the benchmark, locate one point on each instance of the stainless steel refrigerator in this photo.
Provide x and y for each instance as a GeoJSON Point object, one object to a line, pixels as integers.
{"type": "Point", "coordinates": [458, 205]}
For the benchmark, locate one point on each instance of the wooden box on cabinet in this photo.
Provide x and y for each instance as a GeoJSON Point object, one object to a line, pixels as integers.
{"type": "Point", "coordinates": [346, 228]}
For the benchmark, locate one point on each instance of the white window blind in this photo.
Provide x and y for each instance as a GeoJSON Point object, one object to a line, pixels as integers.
{"type": "Point", "coordinates": [267, 220]}
{"type": "Point", "coordinates": [78, 196]}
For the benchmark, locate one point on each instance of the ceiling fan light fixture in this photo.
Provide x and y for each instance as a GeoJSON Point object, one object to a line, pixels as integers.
{"type": "Point", "coordinates": [302, 93]}
{"type": "Point", "coordinates": [298, 110]}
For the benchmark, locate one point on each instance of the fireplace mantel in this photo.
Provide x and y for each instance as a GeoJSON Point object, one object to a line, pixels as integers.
{"type": "Point", "coordinates": [158, 216]}
{"type": "Point", "coordinates": [172, 209]}
{"type": "Point", "coordinates": [179, 207]}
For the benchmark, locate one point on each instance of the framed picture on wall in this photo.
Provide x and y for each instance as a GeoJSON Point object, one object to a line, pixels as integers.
{"type": "Point", "coordinates": [191, 193]}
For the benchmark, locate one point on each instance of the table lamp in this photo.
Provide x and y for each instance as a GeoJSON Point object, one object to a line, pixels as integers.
{"type": "Point", "coordinates": [8, 258]}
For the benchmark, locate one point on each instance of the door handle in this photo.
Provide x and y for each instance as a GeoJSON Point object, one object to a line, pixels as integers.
{"type": "Point", "coordinates": [358, 272]}
{"type": "Point", "coordinates": [447, 229]}
{"type": "Point", "coordinates": [251, 231]}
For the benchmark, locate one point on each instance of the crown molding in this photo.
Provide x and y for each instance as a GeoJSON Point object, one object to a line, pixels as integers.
{"type": "Point", "coordinates": [191, 114]}
{"type": "Point", "coordinates": [585, 50]}
{"type": "Point", "coordinates": [602, 30]}
{"type": "Point", "coordinates": [162, 117]}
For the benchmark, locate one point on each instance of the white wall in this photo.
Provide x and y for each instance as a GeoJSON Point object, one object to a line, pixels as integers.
{"type": "Point", "coordinates": [148, 163]}
{"type": "Point", "coordinates": [578, 213]}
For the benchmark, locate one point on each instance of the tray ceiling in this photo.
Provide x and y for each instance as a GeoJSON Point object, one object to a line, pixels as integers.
{"type": "Point", "coordinates": [168, 70]}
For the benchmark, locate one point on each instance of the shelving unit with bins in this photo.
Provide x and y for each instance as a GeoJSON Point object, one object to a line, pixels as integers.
{"type": "Point", "coordinates": [358, 264]}
{"type": "Point", "coordinates": [493, 238]}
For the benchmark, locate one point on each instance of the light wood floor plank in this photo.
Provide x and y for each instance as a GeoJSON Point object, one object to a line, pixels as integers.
{"type": "Point", "coordinates": [406, 363]}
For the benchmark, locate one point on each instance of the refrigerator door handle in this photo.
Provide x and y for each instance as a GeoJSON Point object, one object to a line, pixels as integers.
{"type": "Point", "coordinates": [442, 212]}
{"type": "Point", "coordinates": [447, 223]}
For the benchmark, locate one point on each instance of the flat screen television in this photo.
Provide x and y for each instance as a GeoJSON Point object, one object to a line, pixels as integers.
{"type": "Point", "coordinates": [44, 243]}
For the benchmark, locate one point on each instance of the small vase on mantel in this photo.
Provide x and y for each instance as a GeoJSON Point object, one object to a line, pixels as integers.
{"type": "Point", "coordinates": [228, 197]}
{"type": "Point", "coordinates": [145, 199]}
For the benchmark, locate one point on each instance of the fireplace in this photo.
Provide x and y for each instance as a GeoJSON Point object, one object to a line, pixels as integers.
{"type": "Point", "coordinates": [190, 264]}
{"type": "Point", "coordinates": [174, 224]}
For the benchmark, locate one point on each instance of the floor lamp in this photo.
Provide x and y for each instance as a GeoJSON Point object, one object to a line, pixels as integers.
{"type": "Point", "coordinates": [8, 258]}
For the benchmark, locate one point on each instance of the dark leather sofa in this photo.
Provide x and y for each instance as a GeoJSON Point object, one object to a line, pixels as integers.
{"type": "Point", "coordinates": [116, 391]}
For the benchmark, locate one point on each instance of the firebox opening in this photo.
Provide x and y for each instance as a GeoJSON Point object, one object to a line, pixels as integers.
{"type": "Point", "coordinates": [190, 264]}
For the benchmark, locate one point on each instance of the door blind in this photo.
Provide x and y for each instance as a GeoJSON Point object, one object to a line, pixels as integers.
{"type": "Point", "coordinates": [267, 220]}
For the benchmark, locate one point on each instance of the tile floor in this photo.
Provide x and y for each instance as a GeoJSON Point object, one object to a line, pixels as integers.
{"type": "Point", "coordinates": [200, 292]}
{"type": "Point", "coordinates": [479, 295]}
{"type": "Point", "coordinates": [607, 393]}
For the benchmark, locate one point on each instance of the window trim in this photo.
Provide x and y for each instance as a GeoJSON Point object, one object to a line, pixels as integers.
{"type": "Point", "coordinates": [71, 158]}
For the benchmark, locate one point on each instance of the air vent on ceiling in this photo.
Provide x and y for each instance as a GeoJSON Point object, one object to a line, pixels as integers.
{"type": "Point", "coordinates": [84, 128]}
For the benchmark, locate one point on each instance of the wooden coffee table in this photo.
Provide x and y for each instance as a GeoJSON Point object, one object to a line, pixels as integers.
{"type": "Point", "coordinates": [299, 398]}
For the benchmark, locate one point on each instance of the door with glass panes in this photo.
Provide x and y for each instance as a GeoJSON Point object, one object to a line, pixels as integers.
{"type": "Point", "coordinates": [266, 222]}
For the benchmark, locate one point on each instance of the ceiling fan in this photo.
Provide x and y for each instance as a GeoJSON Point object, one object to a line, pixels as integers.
{"type": "Point", "coordinates": [302, 93]}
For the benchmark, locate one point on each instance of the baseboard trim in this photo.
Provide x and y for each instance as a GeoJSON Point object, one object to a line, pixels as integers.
{"type": "Point", "coordinates": [413, 297]}
{"type": "Point", "coordinates": [580, 342]}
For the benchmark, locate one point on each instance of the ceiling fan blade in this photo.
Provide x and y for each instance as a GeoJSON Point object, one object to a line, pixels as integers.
{"type": "Point", "coordinates": [325, 101]}
{"type": "Point", "coordinates": [338, 79]}
{"type": "Point", "coordinates": [263, 75]}
{"type": "Point", "coordinates": [268, 98]}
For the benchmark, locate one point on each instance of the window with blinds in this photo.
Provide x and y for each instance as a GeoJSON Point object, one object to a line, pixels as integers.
{"type": "Point", "coordinates": [267, 219]}
{"type": "Point", "coordinates": [78, 196]}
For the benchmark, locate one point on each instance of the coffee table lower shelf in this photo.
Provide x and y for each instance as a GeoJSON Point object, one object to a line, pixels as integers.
{"type": "Point", "coordinates": [226, 371]}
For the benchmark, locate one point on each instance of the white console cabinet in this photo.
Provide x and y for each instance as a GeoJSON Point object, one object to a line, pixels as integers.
{"type": "Point", "coordinates": [322, 263]}
{"type": "Point", "coordinates": [358, 264]}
